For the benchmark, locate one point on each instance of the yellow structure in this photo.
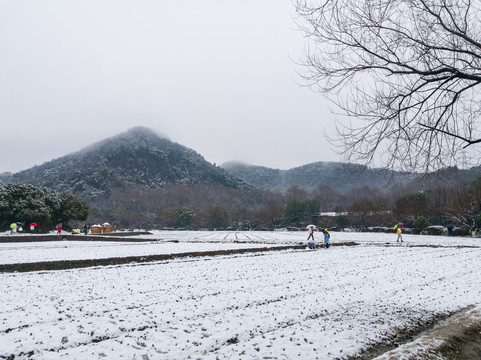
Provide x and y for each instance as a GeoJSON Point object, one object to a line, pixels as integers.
{"type": "Point", "coordinates": [102, 229]}
{"type": "Point", "coordinates": [106, 228]}
{"type": "Point", "coordinates": [96, 229]}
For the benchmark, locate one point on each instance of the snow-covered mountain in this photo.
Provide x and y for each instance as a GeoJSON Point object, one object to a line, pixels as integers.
{"type": "Point", "coordinates": [338, 176]}
{"type": "Point", "coordinates": [344, 177]}
{"type": "Point", "coordinates": [138, 157]}
{"type": "Point", "coordinates": [141, 159]}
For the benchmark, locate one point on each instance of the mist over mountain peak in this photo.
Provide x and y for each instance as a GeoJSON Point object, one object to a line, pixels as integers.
{"type": "Point", "coordinates": [134, 137]}
{"type": "Point", "coordinates": [146, 132]}
{"type": "Point", "coordinates": [139, 158]}
{"type": "Point", "coordinates": [234, 163]}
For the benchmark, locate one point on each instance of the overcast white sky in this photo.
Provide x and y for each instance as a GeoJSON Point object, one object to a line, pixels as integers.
{"type": "Point", "coordinates": [217, 76]}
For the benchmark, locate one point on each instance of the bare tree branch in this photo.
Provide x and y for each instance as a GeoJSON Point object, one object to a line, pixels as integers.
{"type": "Point", "coordinates": [405, 72]}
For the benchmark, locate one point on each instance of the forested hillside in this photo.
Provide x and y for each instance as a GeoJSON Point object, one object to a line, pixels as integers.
{"type": "Point", "coordinates": [340, 177]}
{"type": "Point", "coordinates": [138, 158]}
{"type": "Point", "coordinates": [140, 179]}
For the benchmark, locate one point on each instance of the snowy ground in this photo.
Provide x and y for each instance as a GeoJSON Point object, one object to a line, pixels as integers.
{"type": "Point", "coordinates": [160, 242]}
{"type": "Point", "coordinates": [12, 253]}
{"type": "Point", "coordinates": [295, 237]}
{"type": "Point", "coordinates": [304, 304]}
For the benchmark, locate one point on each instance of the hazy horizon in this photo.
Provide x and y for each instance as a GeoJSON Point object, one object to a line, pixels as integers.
{"type": "Point", "coordinates": [93, 144]}
{"type": "Point", "coordinates": [219, 77]}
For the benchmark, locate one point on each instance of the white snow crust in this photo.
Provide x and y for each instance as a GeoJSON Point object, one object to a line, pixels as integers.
{"type": "Point", "coordinates": [304, 304]}
{"type": "Point", "coordinates": [12, 253]}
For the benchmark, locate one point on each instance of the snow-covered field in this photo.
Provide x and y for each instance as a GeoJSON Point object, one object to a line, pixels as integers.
{"type": "Point", "coordinates": [295, 237]}
{"type": "Point", "coordinates": [11, 253]}
{"type": "Point", "coordinates": [303, 304]}
{"type": "Point", "coordinates": [161, 242]}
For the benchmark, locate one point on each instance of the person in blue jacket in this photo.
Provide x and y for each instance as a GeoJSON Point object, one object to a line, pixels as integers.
{"type": "Point", "coordinates": [327, 237]}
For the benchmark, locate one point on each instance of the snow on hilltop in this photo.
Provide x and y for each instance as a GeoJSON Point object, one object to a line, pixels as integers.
{"type": "Point", "coordinates": [138, 158]}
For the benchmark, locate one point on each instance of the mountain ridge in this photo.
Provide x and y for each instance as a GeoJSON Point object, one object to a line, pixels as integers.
{"type": "Point", "coordinates": [137, 157]}
{"type": "Point", "coordinates": [336, 175]}
{"type": "Point", "coordinates": [142, 158]}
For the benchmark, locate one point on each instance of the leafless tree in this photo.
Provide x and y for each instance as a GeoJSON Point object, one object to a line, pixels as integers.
{"type": "Point", "coordinates": [405, 73]}
{"type": "Point", "coordinates": [465, 204]}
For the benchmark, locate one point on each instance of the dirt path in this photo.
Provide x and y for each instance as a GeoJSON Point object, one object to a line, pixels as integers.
{"type": "Point", "coordinates": [457, 337]}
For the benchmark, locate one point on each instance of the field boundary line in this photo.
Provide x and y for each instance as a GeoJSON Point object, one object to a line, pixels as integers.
{"type": "Point", "coordinates": [84, 263]}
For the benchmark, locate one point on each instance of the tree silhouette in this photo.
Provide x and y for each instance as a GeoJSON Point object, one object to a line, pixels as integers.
{"type": "Point", "coordinates": [404, 72]}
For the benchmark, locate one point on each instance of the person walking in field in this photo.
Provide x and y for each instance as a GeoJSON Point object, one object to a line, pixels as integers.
{"type": "Point", "coordinates": [399, 232]}
{"type": "Point", "coordinates": [327, 237]}
{"type": "Point", "coordinates": [311, 244]}
{"type": "Point", "coordinates": [311, 233]}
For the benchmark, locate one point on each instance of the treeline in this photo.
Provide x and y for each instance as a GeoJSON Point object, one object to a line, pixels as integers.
{"type": "Point", "coordinates": [203, 206]}
{"type": "Point", "coordinates": [28, 204]}
{"type": "Point", "coordinates": [216, 207]}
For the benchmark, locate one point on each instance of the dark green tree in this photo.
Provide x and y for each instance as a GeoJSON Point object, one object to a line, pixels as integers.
{"type": "Point", "coordinates": [72, 207]}
{"type": "Point", "coordinates": [409, 207]}
{"type": "Point", "coordinates": [477, 219]}
{"type": "Point", "coordinates": [184, 216]}
{"type": "Point", "coordinates": [298, 211]}
{"type": "Point", "coordinates": [26, 203]}
{"type": "Point", "coordinates": [295, 212]}
{"type": "Point", "coordinates": [421, 223]}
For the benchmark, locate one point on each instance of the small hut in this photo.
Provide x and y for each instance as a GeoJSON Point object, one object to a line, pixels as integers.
{"type": "Point", "coordinates": [96, 229]}
{"type": "Point", "coordinates": [106, 228]}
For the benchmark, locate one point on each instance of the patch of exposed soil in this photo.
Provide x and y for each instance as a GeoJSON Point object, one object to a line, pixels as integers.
{"type": "Point", "coordinates": [447, 337]}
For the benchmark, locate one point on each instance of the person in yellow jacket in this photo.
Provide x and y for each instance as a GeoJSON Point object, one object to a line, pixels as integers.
{"type": "Point", "coordinates": [399, 233]}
